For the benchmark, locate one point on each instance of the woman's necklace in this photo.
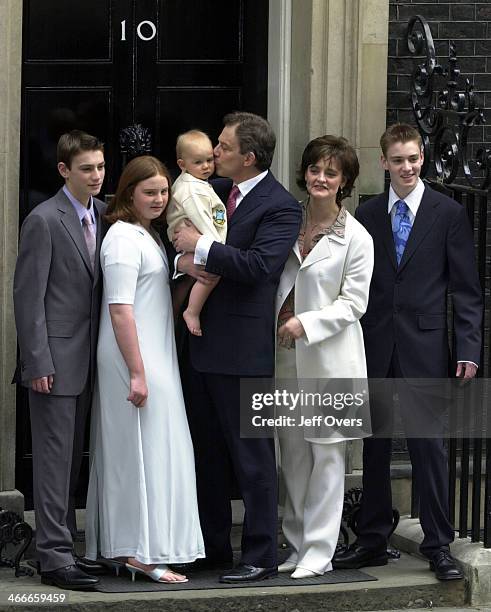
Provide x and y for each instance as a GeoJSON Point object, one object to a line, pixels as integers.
{"type": "Point", "coordinates": [329, 220]}
{"type": "Point", "coordinates": [312, 229]}
{"type": "Point", "coordinates": [311, 226]}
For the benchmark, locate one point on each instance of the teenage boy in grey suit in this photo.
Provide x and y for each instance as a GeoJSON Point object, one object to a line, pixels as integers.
{"type": "Point", "coordinates": [57, 292]}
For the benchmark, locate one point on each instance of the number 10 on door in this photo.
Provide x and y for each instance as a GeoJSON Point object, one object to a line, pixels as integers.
{"type": "Point", "coordinates": [145, 30]}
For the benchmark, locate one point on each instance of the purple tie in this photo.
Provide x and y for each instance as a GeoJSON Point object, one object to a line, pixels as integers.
{"type": "Point", "coordinates": [89, 235]}
{"type": "Point", "coordinates": [232, 201]}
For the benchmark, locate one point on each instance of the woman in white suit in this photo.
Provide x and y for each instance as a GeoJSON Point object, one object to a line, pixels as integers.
{"type": "Point", "coordinates": [322, 294]}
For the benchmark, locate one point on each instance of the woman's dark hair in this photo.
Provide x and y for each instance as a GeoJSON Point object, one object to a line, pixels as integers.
{"type": "Point", "coordinates": [331, 147]}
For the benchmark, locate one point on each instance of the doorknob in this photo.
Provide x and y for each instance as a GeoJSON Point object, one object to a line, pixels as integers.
{"type": "Point", "coordinates": [134, 140]}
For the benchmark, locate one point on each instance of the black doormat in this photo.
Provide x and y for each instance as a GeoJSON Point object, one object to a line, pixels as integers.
{"type": "Point", "coordinates": [209, 580]}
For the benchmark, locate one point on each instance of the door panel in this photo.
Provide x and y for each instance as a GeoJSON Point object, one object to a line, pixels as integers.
{"type": "Point", "coordinates": [50, 111]}
{"type": "Point", "coordinates": [213, 36]}
{"type": "Point", "coordinates": [55, 31]}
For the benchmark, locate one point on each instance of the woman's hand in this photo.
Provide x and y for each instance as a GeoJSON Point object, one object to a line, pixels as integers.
{"type": "Point", "coordinates": [291, 329]}
{"type": "Point", "coordinates": [138, 390]}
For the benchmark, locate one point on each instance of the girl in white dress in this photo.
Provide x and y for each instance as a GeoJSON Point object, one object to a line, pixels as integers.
{"type": "Point", "coordinates": [141, 504]}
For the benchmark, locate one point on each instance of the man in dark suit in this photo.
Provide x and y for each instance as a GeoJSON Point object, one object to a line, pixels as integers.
{"type": "Point", "coordinates": [423, 249]}
{"type": "Point", "coordinates": [238, 341]}
{"type": "Point", "coordinates": [57, 293]}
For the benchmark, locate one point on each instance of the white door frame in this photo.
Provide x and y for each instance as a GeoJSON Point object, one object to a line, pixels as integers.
{"type": "Point", "coordinates": [279, 63]}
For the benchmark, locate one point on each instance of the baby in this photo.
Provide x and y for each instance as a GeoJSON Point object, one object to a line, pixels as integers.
{"type": "Point", "coordinates": [193, 198]}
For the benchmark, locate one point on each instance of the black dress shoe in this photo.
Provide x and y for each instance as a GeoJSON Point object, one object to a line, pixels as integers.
{"type": "Point", "coordinates": [69, 577]}
{"type": "Point", "coordinates": [91, 567]}
{"type": "Point", "coordinates": [445, 566]}
{"type": "Point", "coordinates": [248, 573]}
{"type": "Point", "coordinates": [202, 565]}
{"type": "Point", "coordinates": [356, 556]}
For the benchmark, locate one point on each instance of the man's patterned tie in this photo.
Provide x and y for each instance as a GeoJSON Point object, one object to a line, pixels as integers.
{"type": "Point", "coordinates": [232, 201]}
{"type": "Point", "coordinates": [401, 228]}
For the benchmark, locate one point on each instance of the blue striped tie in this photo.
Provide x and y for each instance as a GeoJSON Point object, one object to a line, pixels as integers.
{"type": "Point", "coordinates": [401, 228]}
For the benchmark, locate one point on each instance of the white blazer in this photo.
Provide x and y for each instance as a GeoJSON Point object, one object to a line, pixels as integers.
{"type": "Point", "coordinates": [331, 294]}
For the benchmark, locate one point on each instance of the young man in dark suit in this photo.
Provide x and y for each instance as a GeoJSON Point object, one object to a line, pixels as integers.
{"type": "Point", "coordinates": [423, 249]}
{"type": "Point", "coordinates": [238, 341]}
{"type": "Point", "coordinates": [57, 294]}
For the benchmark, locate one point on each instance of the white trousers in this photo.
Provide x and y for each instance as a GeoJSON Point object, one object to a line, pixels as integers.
{"type": "Point", "coordinates": [314, 482]}
{"type": "Point", "coordinates": [313, 474]}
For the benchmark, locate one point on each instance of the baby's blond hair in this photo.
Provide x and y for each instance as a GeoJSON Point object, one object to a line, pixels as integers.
{"type": "Point", "coordinates": [189, 138]}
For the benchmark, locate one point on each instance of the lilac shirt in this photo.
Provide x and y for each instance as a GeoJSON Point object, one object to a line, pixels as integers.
{"type": "Point", "coordinates": [80, 208]}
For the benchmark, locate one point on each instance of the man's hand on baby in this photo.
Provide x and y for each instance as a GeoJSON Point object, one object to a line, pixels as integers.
{"type": "Point", "coordinates": [185, 237]}
{"type": "Point", "coordinates": [186, 265]}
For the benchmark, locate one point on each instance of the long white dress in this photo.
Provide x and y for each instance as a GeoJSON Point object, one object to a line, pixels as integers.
{"type": "Point", "coordinates": [142, 491]}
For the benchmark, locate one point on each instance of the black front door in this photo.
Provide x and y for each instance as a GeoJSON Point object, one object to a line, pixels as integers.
{"type": "Point", "coordinates": [105, 65]}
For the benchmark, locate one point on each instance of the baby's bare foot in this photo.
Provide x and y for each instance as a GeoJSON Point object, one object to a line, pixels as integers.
{"type": "Point", "coordinates": [193, 323]}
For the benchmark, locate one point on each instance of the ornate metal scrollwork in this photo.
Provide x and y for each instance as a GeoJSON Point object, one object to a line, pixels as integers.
{"type": "Point", "coordinates": [446, 110]}
{"type": "Point", "coordinates": [18, 533]}
{"type": "Point", "coordinates": [135, 140]}
{"type": "Point", "coordinates": [351, 509]}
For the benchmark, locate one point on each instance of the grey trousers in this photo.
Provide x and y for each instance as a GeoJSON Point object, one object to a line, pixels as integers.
{"type": "Point", "coordinates": [58, 429]}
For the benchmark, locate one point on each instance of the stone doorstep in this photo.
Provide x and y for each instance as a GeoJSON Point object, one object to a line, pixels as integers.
{"type": "Point", "coordinates": [406, 583]}
{"type": "Point", "coordinates": [472, 556]}
{"type": "Point", "coordinates": [403, 583]}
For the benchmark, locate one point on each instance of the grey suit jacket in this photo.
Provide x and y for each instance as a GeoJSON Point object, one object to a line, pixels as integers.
{"type": "Point", "coordinates": [57, 297]}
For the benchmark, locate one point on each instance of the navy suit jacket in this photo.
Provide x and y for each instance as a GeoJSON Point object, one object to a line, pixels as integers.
{"type": "Point", "coordinates": [238, 317]}
{"type": "Point", "coordinates": [407, 306]}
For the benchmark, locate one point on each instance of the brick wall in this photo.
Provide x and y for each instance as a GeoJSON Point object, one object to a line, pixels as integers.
{"type": "Point", "coordinates": [468, 24]}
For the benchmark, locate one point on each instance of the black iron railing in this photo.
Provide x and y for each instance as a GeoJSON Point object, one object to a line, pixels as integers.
{"type": "Point", "coordinates": [458, 162]}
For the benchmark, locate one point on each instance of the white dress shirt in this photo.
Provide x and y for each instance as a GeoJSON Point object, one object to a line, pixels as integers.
{"type": "Point", "coordinates": [413, 200]}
